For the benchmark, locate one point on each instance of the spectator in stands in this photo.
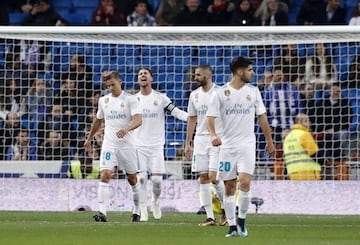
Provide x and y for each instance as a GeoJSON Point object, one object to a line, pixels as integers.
{"type": "Point", "coordinates": [9, 98]}
{"type": "Point", "coordinates": [308, 102]}
{"type": "Point", "coordinates": [265, 80]}
{"type": "Point", "coordinates": [54, 147]}
{"type": "Point", "coordinates": [140, 16]}
{"type": "Point", "coordinates": [191, 15]}
{"type": "Point", "coordinates": [23, 148]}
{"type": "Point", "coordinates": [20, 6]}
{"type": "Point", "coordinates": [168, 11]}
{"type": "Point", "coordinates": [272, 13]}
{"type": "Point", "coordinates": [36, 103]}
{"type": "Point", "coordinates": [34, 55]}
{"type": "Point", "coordinates": [299, 146]}
{"type": "Point", "coordinates": [189, 83]}
{"type": "Point", "coordinates": [355, 16]}
{"type": "Point", "coordinates": [316, 12]}
{"type": "Point", "coordinates": [353, 80]}
{"type": "Point", "coordinates": [71, 100]}
{"type": "Point", "coordinates": [42, 14]}
{"type": "Point", "coordinates": [243, 14]}
{"type": "Point", "coordinates": [108, 14]}
{"type": "Point", "coordinates": [83, 168]}
{"type": "Point", "coordinates": [291, 63]}
{"type": "Point", "coordinates": [82, 73]}
{"type": "Point", "coordinates": [55, 120]}
{"type": "Point", "coordinates": [93, 101]}
{"type": "Point", "coordinates": [320, 69]}
{"type": "Point", "coordinates": [282, 102]}
{"type": "Point", "coordinates": [219, 12]}
{"type": "Point", "coordinates": [8, 133]}
{"type": "Point", "coordinates": [333, 118]}
{"type": "Point", "coordinates": [14, 69]}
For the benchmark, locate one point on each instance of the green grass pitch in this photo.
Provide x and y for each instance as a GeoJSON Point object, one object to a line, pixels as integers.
{"type": "Point", "coordinates": [174, 228]}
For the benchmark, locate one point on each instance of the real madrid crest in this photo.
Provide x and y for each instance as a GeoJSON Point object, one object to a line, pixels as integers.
{"type": "Point", "coordinates": [155, 103]}
{"type": "Point", "coordinates": [138, 98]}
{"type": "Point", "coordinates": [122, 104]}
{"type": "Point", "coordinates": [248, 97]}
{"type": "Point", "coordinates": [106, 100]}
{"type": "Point", "coordinates": [227, 92]}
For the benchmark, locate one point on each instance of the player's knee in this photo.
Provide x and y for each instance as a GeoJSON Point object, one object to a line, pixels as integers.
{"type": "Point", "coordinates": [244, 185]}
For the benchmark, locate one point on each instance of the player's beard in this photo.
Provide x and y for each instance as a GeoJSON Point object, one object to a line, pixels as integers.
{"type": "Point", "coordinates": [246, 79]}
{"type": "Point", "coordinates": [202, 82]}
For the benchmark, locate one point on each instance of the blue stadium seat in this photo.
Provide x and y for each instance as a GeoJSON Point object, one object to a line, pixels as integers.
{"type": "Point", "coordinates": [130, 50]}
{"type": "Point", "coordinates": [86, 3]}
{"type": "Point", "coordinates": [179, 51]}
{"type": "Point", "coordinates": [351, 3]}
{"type": "Point", "coordinates": [63, 4]}
{"type": "Point", "coordinates": [72, 48]}
{"type": "Point", "coordinates": [97, 80]}
{"type": "Point", "coordinates": [15, 19]}
{"type": "Point", "coordinates": [155, 4]}
{"type": "Point", "coordinates": [75, 19]}
{"type": "Point", "coordinates": [86, 7]}
{"type": "Point", "coordinates": [102, 49]}
{"type": "Point", "coordinates": [153, 50]}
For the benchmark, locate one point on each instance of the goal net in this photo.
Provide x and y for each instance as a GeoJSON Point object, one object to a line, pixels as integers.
{"type": "Point", "coordinates": [50, 83]}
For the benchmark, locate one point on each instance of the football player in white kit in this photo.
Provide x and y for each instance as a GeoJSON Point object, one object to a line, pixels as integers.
{"type": "Point", "coordinates": [150, 139]}
{"type": "Point", "coordinates": [121, 113]}
{"type": "Point", "coordinates": [236, 104]}
{"type": "Point", "coordinates": [204, 156]}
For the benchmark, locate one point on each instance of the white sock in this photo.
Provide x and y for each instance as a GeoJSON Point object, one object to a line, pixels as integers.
{"type": "Point", "coordinates": [136, 197]}
{"type": "Point", "coordinates": [230, 209]}
{"type": "Point", "coordinates": [220, 190]}
{"type": "Point", "coordinates": [142, 179]}
{"type": "Point", "coordinates": [103, 196]}
{"type": "Point", "coordinates": [156, 181]}
{"type": "Point", "coordinates": [244, 202]}
{"type": "Point", "coordinates": [205, 194]}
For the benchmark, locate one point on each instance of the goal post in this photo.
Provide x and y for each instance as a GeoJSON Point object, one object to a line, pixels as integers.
{"type": "Point", "coordinates": [171, 53]}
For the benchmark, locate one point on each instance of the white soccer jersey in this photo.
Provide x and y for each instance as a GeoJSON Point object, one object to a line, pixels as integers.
{"type": "Point", "coordinates": [199, 102]}
{"type": "Point", "coordinates": [152, 130]}
{"type": "Point", "coordinates": [117, 113]}
{"type": "Point", "coordinates": [237, 108]}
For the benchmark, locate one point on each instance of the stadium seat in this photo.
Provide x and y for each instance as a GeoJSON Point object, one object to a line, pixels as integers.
{"type": "Point", "coordinates": [155, 4]}
{"type": "Point", "coordinates": [86, 3]}
{"type": "Point", "coordinates": [86, 7]}
{"type": "Point", "coordinates": [63, 4]}
{"type": "Point", "coordinates": [15, 19]}
{"type": "Point", "coordinates": [351, 3]}
{"type": "Point", "coordinates": [179, 51]}
{"type": "Point", "coordinates": [72, 48]}
{"type": "Point", "coordinates": [75, 19]}
{"type": "Point", "coordinates": [130, 50]}
{"type": "Point", "coordinates": [153, 51]}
